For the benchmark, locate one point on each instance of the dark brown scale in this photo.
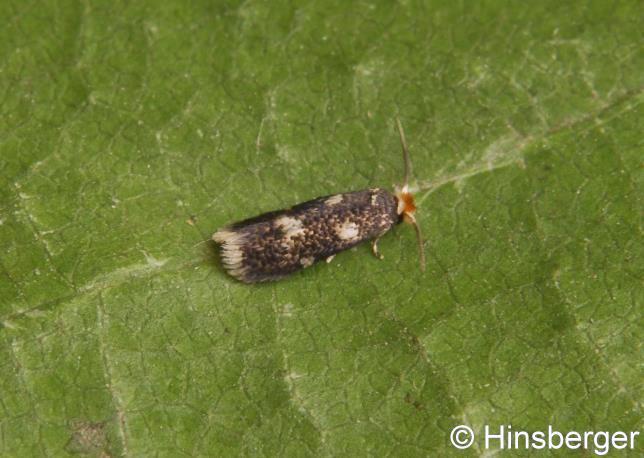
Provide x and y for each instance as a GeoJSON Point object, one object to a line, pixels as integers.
{"type": "Point", "coordinates": [275, 244]}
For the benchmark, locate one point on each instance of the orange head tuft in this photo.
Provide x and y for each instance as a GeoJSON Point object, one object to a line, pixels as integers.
{"type": "Point", "coordinates": [406, 205]}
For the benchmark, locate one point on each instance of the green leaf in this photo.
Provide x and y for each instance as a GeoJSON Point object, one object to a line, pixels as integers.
{"type": "Point", "coordinates": [133, 130]}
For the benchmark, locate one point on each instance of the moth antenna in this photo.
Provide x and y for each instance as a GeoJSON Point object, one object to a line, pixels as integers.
{"type": "Point", "coordinates": [419, 237]}
{"type": "Point", "coordinates": [405, 151]}
{"type": "Point", "coordinates": [200, 243]}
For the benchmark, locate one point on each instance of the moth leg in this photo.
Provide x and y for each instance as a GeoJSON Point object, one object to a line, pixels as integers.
{"type": "Point", "coordinates": [329, 259]}
{"type": "Point", "coordinates": [374, 249]}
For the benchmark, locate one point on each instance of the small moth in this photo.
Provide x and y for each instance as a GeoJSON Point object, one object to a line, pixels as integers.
{"type": "Point", "coordinates": [275, 244]}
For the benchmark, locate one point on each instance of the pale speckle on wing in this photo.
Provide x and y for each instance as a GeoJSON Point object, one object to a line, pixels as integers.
{"type": "Point", "coordinates": [333, 200]}
{"type": "Point", "coordinates": [348, 230]}
{"type": "Point", "coordinates": [306, 262]}
{"type": "Point", "coordinates": [291, 226]}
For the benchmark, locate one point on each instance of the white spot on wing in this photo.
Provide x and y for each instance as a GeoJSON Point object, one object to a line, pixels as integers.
{"type": "Point", "coordinates": [333, 200]}
{"type": "Point", "coordinates": [291, 226]}
{"type": "Point", "coordinates": [348, 231]}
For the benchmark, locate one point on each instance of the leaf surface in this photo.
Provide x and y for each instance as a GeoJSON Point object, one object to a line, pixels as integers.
{"type": "Point", "coordinates": [133, 130]}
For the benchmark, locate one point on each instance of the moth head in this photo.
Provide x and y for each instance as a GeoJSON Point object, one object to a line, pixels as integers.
{"type": "Point", "coordinates": [406, 205]}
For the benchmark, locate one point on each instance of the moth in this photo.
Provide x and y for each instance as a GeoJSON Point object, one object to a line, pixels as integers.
{"type": "Point", "coordinates": [275, 244]}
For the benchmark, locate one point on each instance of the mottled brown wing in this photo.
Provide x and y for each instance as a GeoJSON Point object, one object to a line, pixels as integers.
{"type": "Point", "coordinates": [275, 244]}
